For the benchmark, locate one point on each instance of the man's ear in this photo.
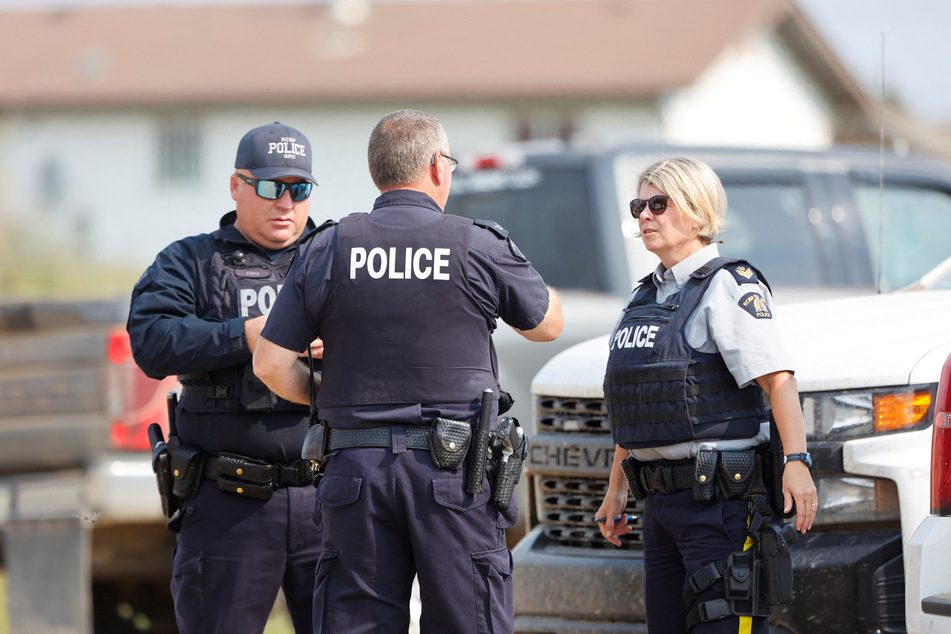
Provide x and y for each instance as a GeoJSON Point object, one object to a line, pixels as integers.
{"type": "Point", "coordinates": [235, 183]}
{"type": "Point", "coordinates": [438, 171]}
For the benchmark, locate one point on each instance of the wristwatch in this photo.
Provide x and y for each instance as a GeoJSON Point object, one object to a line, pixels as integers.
{"type": "Point", "coordinates": [801, 457]}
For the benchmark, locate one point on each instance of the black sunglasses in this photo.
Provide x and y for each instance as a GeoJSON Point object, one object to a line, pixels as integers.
{"type": "Point", "coordinates": [657, 205]}
{"type": "Point", "coordinates": [272, 190]}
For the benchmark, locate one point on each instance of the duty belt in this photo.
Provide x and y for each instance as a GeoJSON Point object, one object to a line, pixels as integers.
{"type": "Point", "coordinates": [292, 474]}
{"type": "Point", "coordinates": [207, 391]}
{"type": "Point", "coordinates": [416, 437]}
{"type": "Point", "coordinates": [664, 476]}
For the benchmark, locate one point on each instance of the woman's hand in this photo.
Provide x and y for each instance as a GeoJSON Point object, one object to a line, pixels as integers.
{"type": "Point", "coordinates": [615, 501]}
{"type": "Point", "coordinates": [613, 507]}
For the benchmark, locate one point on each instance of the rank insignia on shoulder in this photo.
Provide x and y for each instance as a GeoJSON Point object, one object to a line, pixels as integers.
{"type": "Point", "coordinates": [744, 271]}
{"type": "Point", "coordinates": [516, 252]}
{"type": "Point", "coordinates": [755, 304]}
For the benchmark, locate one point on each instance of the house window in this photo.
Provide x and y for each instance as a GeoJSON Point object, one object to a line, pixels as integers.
{"type": "Point", "coordinates": [544, 127]}
{"type": "Point", "coordinates": [179, 152]}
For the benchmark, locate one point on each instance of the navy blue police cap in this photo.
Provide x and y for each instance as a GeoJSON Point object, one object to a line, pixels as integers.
{"type": "Point", "coordinates": [275, 151]}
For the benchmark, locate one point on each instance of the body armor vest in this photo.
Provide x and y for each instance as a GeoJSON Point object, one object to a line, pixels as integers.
{"type": "Point", "coordinates": [243, 284]}
{"type": "Point", "coordinates": [659, 391]}
{"type": "Point", "coordinates": [405, 327]}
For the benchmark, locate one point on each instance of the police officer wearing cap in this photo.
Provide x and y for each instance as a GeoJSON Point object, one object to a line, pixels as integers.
{"type": "Point", "coordinates": [691, 358]}
{"type": "Point", "coordinates": [244, 527]}
{"type": "Point", "coordinates": [406, 298]}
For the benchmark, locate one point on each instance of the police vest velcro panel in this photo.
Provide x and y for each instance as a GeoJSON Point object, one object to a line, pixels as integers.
{"type": "Point", "coordinates": [405, 326]}
{"type": "Point", "coordinates": [658, 390]}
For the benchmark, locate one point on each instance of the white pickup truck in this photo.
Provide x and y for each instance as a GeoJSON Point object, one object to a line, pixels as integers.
{"type": "Point", "coordinates": [837, 234]}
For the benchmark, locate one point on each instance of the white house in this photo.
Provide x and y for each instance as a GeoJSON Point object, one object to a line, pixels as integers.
{"type": "Point", "coordinates": [118, 126]}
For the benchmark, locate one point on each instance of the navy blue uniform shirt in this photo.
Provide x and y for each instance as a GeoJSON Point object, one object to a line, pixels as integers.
{"type": "Point", "coordinates": [503, 285]}
{"type": "Point", "coordinates": [173, 333]}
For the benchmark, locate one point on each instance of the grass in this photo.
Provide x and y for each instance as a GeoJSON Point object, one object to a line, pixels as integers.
{"type": "Point", "coordinates": [49, 265]}
{"type": "Point", "coordinates": [4, 611]}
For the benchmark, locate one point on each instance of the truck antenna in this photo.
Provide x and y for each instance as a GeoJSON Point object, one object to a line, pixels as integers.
{"type": "Point", "coordinates": [881, 176]}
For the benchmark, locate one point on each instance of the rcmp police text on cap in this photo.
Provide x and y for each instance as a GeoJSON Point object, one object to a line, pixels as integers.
{"type": "Point", "coordinates": [275, 151]}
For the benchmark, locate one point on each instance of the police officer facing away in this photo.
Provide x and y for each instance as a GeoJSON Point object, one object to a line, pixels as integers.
{"type": "Point", "coordinates": [692, 357]}
{"type": "Point", "coordinates": [245, 527]}
{"type": "Point", "coordinates": [406, 298]}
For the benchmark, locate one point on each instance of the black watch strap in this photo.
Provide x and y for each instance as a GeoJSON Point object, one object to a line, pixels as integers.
{"type": "Point", "coordinates": [800, 457]}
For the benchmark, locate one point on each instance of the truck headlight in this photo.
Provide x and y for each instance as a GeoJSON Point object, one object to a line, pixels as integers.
{"type": "Point", "coordinates": [849, 499]}
{"type": "Point", "coordinates": [862, 413]}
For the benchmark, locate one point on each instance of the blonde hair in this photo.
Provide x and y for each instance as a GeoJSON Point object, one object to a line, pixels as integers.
{"type": "Point", "coordinates": [696, 190]}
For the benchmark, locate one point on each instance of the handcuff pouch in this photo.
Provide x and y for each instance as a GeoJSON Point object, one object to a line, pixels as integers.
{"type": "Point", "coordinates": [187, 463]}
{"type": "Point", "coordinates": [449, 442]}
{"type": "Point", "coordinates": [736, 473]}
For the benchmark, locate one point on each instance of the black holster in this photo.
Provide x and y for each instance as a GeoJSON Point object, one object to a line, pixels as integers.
{"type": "Point", "coordinates": [754, 580]}
{"type": "Point", "coordinates": [162, 467]}
{"type": "Point", "coordinates": [777, 562]}
{"type": "Point", "coordinates": [508, 448]}
{"type": "Point", "coordinates": [631, 468]}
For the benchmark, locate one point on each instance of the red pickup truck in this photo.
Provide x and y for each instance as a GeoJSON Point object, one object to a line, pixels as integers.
{"type": "Point", "coordinates": [84, 539]}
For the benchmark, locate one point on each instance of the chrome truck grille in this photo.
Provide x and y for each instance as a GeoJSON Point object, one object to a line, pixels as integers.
{"type": "Point", "coordinates": [569, 461]}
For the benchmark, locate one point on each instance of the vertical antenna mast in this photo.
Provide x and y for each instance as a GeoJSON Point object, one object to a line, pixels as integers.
{"type": "Point", "coordinates": [881, 176]}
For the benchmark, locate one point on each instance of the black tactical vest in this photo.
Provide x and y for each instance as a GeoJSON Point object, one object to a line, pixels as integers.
{"type": "Point", "coordinates": [659, 391]}
{"type": "Point", "coordinates": [244, 283]}
{"type": "Point", "coordinates": [404, 325]}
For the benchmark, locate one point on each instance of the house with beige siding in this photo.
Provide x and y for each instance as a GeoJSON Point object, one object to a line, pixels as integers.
{"type": "Point", "coordinates": [118, 125]}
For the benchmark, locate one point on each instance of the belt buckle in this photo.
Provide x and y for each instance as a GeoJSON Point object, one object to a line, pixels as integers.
{"type": "Point", "coordinates": [649, 479]}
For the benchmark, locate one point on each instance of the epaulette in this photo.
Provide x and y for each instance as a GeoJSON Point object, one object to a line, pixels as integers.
{"type": "Point", "coordinates": [493, 226]}
{"type": "Point", "coordinates": [743, 273]}
{"type": "Point", "coordinates": [326, 225]}
{"type": "Point", "coordinates": [503, 234]}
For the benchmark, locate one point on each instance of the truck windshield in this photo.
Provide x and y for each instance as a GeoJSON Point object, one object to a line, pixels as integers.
{"type": "Point", "coordinates": [766, 224]}
{"type": "Point", "coordinates": [911, 223]}
{"type": "Point", "coordinates": [547, 214]}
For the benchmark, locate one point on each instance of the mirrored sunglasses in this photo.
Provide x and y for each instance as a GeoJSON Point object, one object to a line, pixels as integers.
{"type": "Point", "coordinates": [272, 190]}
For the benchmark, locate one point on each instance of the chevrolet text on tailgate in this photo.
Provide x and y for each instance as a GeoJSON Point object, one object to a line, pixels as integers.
{"type": "Point", "coordinates": [837, 234]}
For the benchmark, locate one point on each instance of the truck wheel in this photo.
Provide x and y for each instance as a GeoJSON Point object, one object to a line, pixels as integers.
{"type": "Point", "coordinates": [122, 607]}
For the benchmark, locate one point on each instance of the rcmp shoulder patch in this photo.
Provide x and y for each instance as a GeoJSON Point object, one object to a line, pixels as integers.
{"type": "Point", "coordinates": [755, 304]}
{"type": "Point", "coordinates": [516, 253]}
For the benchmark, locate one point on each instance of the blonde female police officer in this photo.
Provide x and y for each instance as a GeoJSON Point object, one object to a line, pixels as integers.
{"type": "Point", "coordinates": [691, 358]}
